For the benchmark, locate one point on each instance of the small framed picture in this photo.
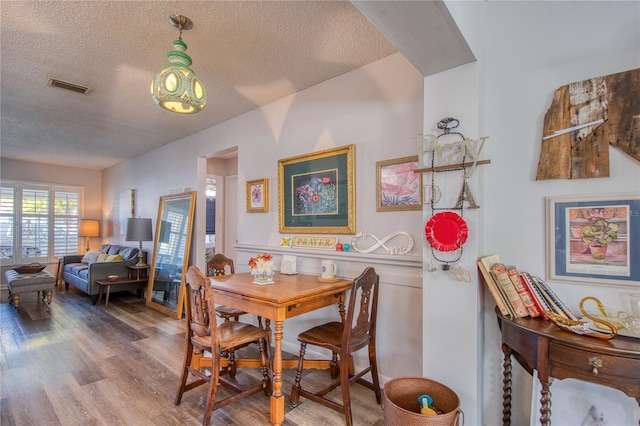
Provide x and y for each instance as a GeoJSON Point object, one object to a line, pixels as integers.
{"type": "Point", "coordinates": [258, 196]}
{"type": "Point", "coordinates": [594, 239]}
{"type": "Point", "coordinates": [397, 186]}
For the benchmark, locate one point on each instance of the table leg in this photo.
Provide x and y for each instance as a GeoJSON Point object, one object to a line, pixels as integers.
{"type": "Point", "coordinates": [106, 301]}
{"type": "Point", "coordinates": [99, 295]}
{"type": "Point", "coordinates": [545, 401]}
{"type": "Point", "coordinates": [59, 273]}
{"type": "Point", "coordinates": [277, 398]}
{"type": "Point", "coordinates": [506, 386]}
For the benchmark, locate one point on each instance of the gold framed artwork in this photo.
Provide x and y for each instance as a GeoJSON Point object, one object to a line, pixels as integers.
{"type": "Point", "coordinates": [258, 196]}
{"type": "Point", "coordinates": [316, 192]}
{"type": "Point", "coordinates": [397, 186]}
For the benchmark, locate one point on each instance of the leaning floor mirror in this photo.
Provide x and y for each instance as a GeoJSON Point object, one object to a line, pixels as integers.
{"type": "Point", "coordinates": [171, 253]}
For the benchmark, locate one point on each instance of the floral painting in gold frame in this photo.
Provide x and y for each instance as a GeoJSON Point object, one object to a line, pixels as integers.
{"type": "Point", "coordinates": [397, 186]}
{"type": "Point", "coordinates": [316, 192]}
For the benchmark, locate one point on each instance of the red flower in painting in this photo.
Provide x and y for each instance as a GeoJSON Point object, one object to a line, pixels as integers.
{"type": "Point", "coordinates": [399, 185]}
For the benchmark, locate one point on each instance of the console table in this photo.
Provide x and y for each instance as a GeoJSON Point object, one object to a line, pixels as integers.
{"type": "Point", "coordinates": [540, 345]}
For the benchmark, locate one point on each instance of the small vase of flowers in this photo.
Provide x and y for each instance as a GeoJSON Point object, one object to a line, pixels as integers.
{"type": "Point", "coordinates": [262, 268]}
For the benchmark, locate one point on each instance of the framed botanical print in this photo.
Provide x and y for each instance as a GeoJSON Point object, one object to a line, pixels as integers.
{"type": "Point", "coordinates": [594, 239]}
{"type": "Point", "coordinates": [316, 192]}
{"type": "Point", "coordinates": [258, 196]}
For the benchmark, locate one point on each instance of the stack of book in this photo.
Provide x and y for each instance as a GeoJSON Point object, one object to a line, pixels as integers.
{"type": "Point", "coordinates": [519, 294]}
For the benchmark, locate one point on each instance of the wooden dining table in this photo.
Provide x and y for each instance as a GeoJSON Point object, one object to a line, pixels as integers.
{"type": "Point", "coordinates": [288, 297]}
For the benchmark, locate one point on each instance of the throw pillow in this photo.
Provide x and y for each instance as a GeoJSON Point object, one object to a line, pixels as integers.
{"type": "Point", "coordinates": [90, 257]}
{"type": "Point", "coordinates": [114, 258]}
{"type": "Point", "coordinates": [102, 257]}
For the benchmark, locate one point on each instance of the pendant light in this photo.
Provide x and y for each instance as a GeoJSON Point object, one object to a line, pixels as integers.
{"type": "Point", "coordinates": [176, 87]}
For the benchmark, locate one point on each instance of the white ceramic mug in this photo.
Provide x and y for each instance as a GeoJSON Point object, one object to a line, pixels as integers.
{"type": "Point", "coordinates": [328, 269]}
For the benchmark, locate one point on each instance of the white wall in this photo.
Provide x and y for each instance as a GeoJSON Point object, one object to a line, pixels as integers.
{"type": "Point", "coordinates": [379, 109]}
{"type": "Point", "coordinates": [452, 307]}
{"type": "Point", "coordinates": [525, 51]}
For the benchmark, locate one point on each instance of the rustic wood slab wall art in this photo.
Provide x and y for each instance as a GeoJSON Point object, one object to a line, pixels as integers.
{"type": "Point", "coordinates": [586, 117]}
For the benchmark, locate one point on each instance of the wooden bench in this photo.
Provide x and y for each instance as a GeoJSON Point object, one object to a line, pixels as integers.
{"type": "Point", "coordinates": [41, 281]}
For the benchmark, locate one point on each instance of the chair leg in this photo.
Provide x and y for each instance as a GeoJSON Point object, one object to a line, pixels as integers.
{"type": "Point", "coordinates": [264, 362]}
{"type": "Point", "coordinates": [232, 363]}
{"type": "Point", "coordinates": [374, 371]}
{"type": "Point", "coordinates": [334, 368]}
{"type": "Point", "coordinates": [295, 395]}
{"type": "Point", "coordinates": [211, 399]}
{"type": "Point", "coordinates": [267, 326]}
{"type": "Point", "coordinates": [344, 384]}
{"type": "Point", "coordinates": [185, 374]}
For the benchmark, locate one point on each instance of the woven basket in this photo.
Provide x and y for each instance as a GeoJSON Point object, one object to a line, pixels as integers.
{"type": "Point", "coordinates": [31, 268]}
{"type": "Point", "coordinates": [401, 406]}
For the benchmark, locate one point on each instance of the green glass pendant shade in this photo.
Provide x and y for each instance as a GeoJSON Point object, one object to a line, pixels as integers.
{"type": "Point", "coordinates": [176, 87]}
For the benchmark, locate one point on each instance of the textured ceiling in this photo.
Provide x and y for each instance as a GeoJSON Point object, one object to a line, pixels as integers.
{"type": "Point", "coordinates": [245, 53]}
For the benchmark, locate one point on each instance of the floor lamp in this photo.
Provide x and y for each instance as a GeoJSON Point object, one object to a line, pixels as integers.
{"type": "Point", "coordinates": [89, 228]}
{"type": "Point", "coordinates": [139, 229]}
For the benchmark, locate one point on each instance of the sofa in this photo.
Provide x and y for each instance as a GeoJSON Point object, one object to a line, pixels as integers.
{"type": "Point", "coordinates": [82, 271]}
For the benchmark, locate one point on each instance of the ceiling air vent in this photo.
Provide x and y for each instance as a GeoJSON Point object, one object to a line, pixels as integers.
{"type": "Point", "coordinates": [55, 82]}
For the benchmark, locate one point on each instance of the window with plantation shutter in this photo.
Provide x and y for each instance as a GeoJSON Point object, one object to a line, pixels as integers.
{"type": "Point", "coordinates": [65, 222]}
{"type": "Point", "coordinates": [35, 221]}
{"type": "Point", "coordinates": [38, 222]}
{"type": "Point", "coordinates": [6, 221]}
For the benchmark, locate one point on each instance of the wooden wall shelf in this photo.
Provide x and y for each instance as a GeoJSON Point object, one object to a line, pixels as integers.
{"type": "Point", "coordinates": [450, 166]}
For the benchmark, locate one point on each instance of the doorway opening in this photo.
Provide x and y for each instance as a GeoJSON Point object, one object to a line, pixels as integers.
{"type": "Point", "coordinates": [210, 233]}
{"type": "Point", "coordinates": [221, 204]}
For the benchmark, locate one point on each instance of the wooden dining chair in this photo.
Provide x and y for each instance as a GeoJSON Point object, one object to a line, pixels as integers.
{"type": "Point", "coordinates": [357, 332]}
{"type": "Point", "coordinates": [217, 266]}
{"type": "Point", "coordinates": [204, 334]}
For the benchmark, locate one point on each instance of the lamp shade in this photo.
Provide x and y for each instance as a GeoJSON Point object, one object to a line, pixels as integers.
{"type": "Point", "coordinates": [139, 229]}
{"type": "Point", "coordinates": [89, 228]}
{"type": "Point", "coordinates": [176, 87]}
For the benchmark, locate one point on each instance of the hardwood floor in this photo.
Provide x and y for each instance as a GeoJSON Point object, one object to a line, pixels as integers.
{"type": "Point", "coordinates": [79, 364]}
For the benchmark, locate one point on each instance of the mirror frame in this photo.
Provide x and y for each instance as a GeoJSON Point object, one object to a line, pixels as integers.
{"type": "Point", "coordinates": [185, 262]}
